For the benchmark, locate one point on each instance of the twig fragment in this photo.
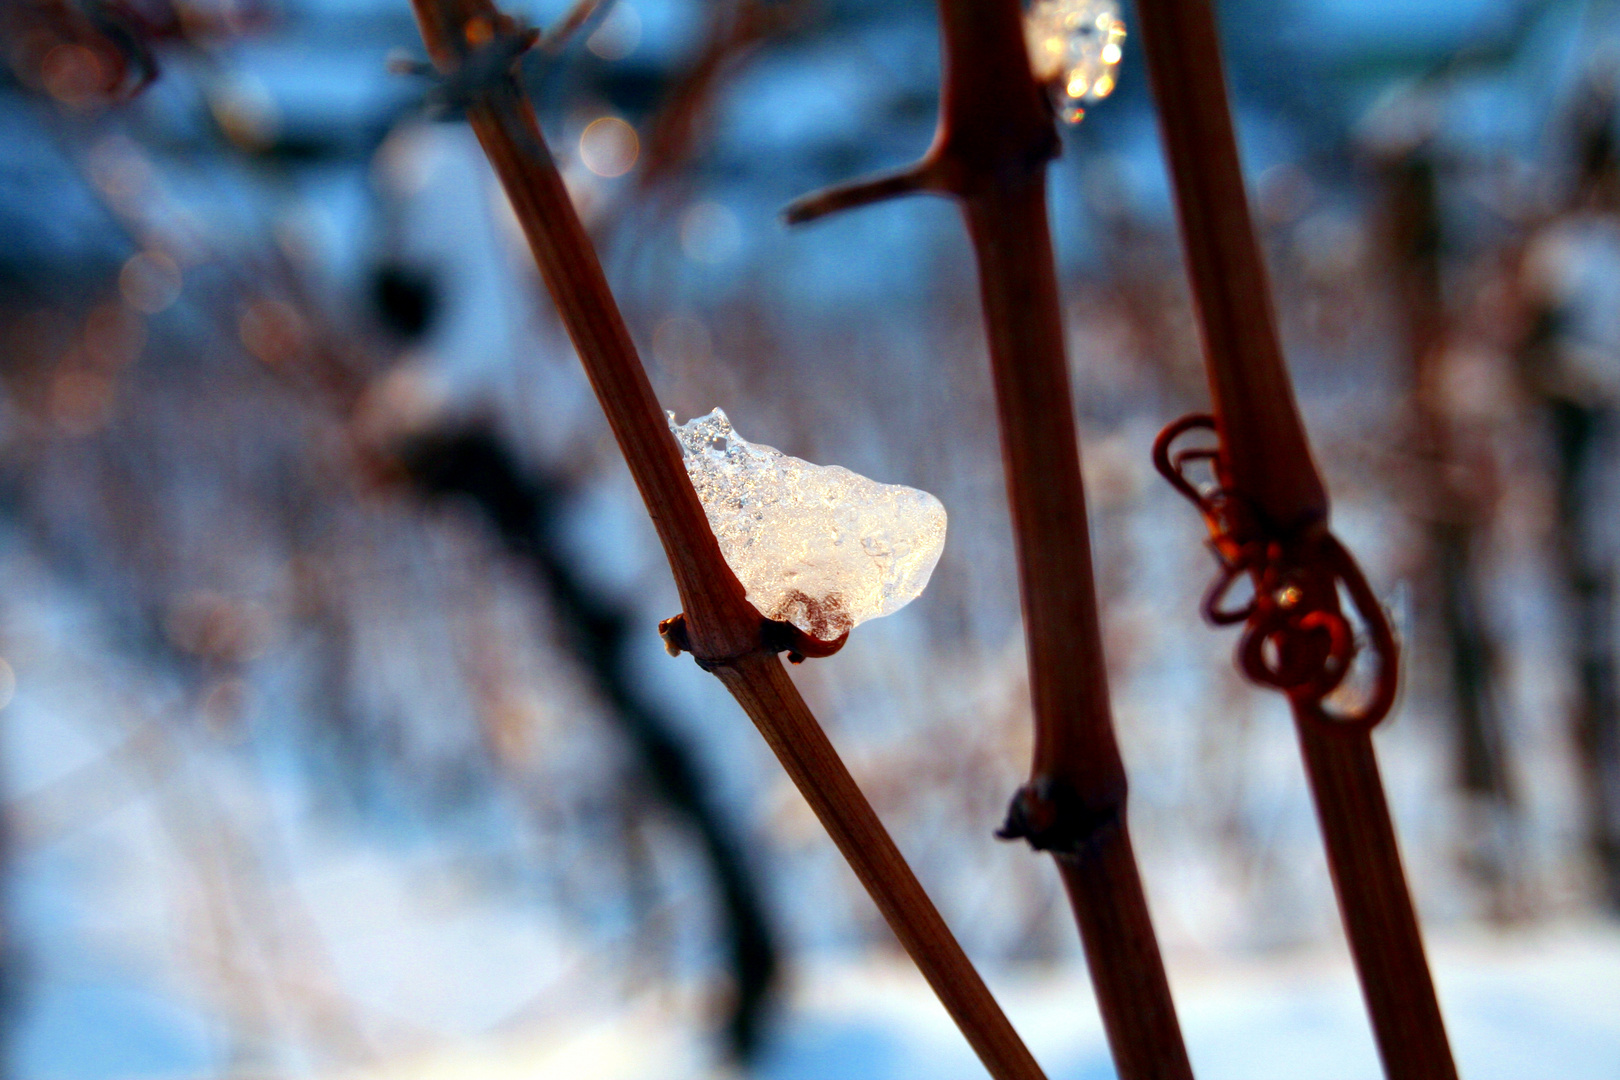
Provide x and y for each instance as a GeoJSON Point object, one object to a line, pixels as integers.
{"type": "Point", "coordinates": [924, 176]}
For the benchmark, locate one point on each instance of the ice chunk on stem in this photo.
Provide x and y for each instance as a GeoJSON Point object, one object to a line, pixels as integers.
{"type": "Point", "coordinates": [1075, 47]}
{"type": "Point", "coordinates": [814, 545]}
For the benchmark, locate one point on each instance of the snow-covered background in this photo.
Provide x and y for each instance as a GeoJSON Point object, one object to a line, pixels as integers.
{"type": "Point", "coordinates": [305, 773]}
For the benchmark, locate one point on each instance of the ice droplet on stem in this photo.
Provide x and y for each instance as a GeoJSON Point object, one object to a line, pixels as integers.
{"type": "Point", "coordinates": [1074, 48]}
{"type": "Point", "coordinates": [818, 546]}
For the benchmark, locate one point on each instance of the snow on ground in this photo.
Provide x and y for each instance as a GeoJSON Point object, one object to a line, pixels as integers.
{"type": "Point", "coordinates": [1535, 1002]}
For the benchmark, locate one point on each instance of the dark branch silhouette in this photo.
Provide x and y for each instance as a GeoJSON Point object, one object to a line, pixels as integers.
{"type": "Point", "coordinates": [472, 463]}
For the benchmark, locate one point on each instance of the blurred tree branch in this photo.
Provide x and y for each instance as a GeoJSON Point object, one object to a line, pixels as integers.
{"type": "Point", "coordinates": [472, 462]}
{"type": "Point", "coordinates": [1581, 416]}
{"type": "Point", "coordinates": [1458, 492]}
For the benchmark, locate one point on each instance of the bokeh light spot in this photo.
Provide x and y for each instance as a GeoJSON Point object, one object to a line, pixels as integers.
{"type": "Point", "coordinates": [81, 400]}
{"type": "Point", "coordinates": [121, 172]}
{"type": "Point", "coordinates": [150, 282]}
{"type": "Point", "coordinates": [72, 74]}
{"type": "Point", "coordinates": [710, 233]}
{"type": "Point", "coordinates": [273, 331]}
{"type": "Point", "coordinates": [246, 113]}
{"type": "Point", "coordinates": [405, 163]}
{"type": "Point", "coordinates": [1075, 46]}
{"type": "Point", "coordinates": [609, 146]}
{"type": "Point", "coordinates": [618, 35]}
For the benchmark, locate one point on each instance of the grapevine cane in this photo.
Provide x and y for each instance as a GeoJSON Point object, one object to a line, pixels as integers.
{"type": "Point", "coordinates": [991, 151]}
{"type": "Point", "coordinates": [1267, 514]}
{"type": "Point", "coordinates": [475, 47]}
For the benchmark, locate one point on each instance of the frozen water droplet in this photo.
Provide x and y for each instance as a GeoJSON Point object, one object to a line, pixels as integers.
{"type": "Point", "coordinates": [784, 526]}
{"type": "Point", "coordinates": [1074, 48]}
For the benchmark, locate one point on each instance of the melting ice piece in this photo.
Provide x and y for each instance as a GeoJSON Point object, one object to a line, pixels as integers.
{"type": "Point", "coordinates": [1074, 46]}
{"type": "Point", "coordinates": [814, 545]}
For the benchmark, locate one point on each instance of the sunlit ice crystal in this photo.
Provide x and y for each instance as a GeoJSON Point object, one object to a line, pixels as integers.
{"type": "Point", "coordinates": [814, 545]}
{"type": "Point", "coordinates": [1075, 47]}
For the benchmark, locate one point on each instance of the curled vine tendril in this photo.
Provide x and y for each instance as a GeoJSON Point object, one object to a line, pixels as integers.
{"type": "Point", "coordinates": [1297, 637]}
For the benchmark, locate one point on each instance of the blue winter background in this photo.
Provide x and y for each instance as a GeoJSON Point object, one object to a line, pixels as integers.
{"type": "Point", "coordinates": [305, 774]}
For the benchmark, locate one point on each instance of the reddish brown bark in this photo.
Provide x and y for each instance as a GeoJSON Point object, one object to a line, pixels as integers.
{"type": "Point", "coordinates": [994, 141]}
{"type": "Point", "coordinates": [472, 44]}
{"type": "Point", "coordinates": [1269, 519]}
{"type": "Point", "coordinates": [1254, 401]}
{"type": "Point", "coordinates": [1378, 918]}
{"type": "Point", "coordinates": [1078, 783]}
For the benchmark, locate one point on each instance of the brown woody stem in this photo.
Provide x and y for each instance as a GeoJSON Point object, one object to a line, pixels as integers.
{"type": "Point", "coordinates": [761, 685]}
{"type": "Point", "coordinates": [1265, 460]}
{"type": "Point", "coordinates": [994, 141]}
{"type": "Point", "coordinates": [1075, 750]}
{"type": "Point", "coordinates": [1383, 930]}
{"type": "Point", "coordinates": [1254, 400]}
{"type": "Point", "coordinates": [720, 627]}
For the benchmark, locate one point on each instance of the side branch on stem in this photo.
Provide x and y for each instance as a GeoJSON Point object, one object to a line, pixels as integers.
{"type": "Point", "coordinates": [996, 136]}
{"type": "Point", "coordinates": [718, 626]}
{"type": "Point", "coordinates": [923, 176]}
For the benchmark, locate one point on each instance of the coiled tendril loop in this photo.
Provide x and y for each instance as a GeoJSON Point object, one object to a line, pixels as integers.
{"type": "Point", "coordinates": [1297, 637]}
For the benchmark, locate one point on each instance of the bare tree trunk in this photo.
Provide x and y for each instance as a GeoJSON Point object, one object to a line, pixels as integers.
{"type": "Point", "coordinates": [1581, 420]}
{"type": "Point", "coordinates": [1583, 436]}
{"type": "Point", "coordinates": [1454, 518]}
